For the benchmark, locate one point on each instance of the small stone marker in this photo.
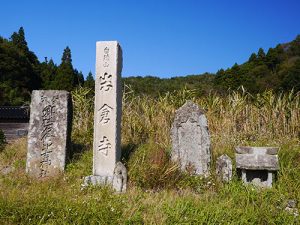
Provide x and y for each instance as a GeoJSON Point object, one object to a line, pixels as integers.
{"type": "Point", "coordinates": [224, 168]}
{"type": "Point", "coordinates": [257, 165]}
{"type": "Point", "coordinates": [107, 117]}
{"type": "Point", "coordinates": [191, 140]}
{"type": "Point", "coordinates": [49, 133]}
{"type": "Point", "coordinates": [292, 207]}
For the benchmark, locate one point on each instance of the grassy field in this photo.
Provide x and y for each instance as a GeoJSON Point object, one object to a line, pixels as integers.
{"type": "Point", "coordinates": [158, 192]}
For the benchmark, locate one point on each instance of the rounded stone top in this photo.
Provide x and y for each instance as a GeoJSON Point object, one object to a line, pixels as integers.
{"type": "Point", "coordinates": [189, 110]}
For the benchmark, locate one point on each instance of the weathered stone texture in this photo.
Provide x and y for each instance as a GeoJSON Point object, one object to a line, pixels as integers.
{"type": "Point", "coordinates": [49, 133]}
{"type": "Point", "coordinates": [118, 181]}
{"type": "Point", "coordinates": [224, 168]}
{"type": "Point", "coordinates": [120, 178]}
{"type": "Point", "coordinates": [108, 108]}
{"type": "Point", "coordinates": [191, 140]}
{"type": "Point", "coordinates": [257, 165]}
{"type": "Point", "coordinates": [257, 158]}
{"type": "Point", "coordinates": [107, 170]}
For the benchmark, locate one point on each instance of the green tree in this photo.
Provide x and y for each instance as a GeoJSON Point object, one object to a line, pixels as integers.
{"type": "Point", "coordinates": [90, 82]}
{"type": "Point", "coordinates": [292, 78]}
{"type": "Point", "coordinates": [261, 56]}
{"type": "Point", "coordinates": [18, 69]}
{"type": "Point", "coordinates": [80, 78]}
{"type": "Point", "coordinates": [253, 57]}
{"type": "Point", "coordinates": [65, 77]}
{"type": "Point", "coordinates": [48, 70]}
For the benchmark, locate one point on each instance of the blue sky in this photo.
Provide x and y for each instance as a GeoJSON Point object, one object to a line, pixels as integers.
{"type": "Point", "coordinates": [161, 38]}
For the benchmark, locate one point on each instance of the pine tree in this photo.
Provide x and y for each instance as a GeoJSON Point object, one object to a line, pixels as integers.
{"type": "Point", "coordinates": [65, 77]}
{"type": "Point", "coordinates": [18, 39]}
{"type": "Point", "coordinates": [90, 82]}
{"type": "Point", "coordinates": [79, 78]}
{"type": "Point", "coordinates": [48, 70]}
{"type": "Point", "coordinates": [261, 55]}
{"type": "Point", "coordinates": [253, 57]}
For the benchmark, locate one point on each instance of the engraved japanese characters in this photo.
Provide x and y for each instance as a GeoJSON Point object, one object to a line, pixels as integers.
{"type": "Point", "coordinates": [49, 133]}
{"type": "Point", "coordinates": [108, 106]}
{"type": "Point", "coordinates": [107, 119]}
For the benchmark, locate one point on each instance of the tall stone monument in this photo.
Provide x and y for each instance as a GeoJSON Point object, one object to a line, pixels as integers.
{"type": "Point", "coordinates": [49, 133]}
{"type": "Point", "coordinates": [107, 118]}
{"type": "Point", "coordinates": [191, 140]}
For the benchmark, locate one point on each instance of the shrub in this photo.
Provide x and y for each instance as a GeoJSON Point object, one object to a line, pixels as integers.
{"type": "Point", "coordinates": [2, 140]}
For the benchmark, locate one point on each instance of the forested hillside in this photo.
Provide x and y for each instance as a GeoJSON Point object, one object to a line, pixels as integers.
{"type": "Point", "coordinates": [21, 72]}
{"type": "Point", "coordinates": [278, 69]}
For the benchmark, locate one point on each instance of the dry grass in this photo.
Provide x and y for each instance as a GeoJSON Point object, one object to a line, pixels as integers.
{"type": "Point", "coordinates": [158, 193]}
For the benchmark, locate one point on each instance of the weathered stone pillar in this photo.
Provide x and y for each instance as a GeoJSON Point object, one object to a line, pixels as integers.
{"type": "Point", "coordinates": [49, 133]}
{"type": "Point", "coordinates": [108, 108]}
{"type": "Point", "coordinates": [107, 117]}
{"type": "Point", "coordinates": [191, 140]}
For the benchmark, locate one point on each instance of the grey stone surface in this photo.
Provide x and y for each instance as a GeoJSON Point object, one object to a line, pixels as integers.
{"type": "Point", "coordinates": [120, 178]}
{"type": "Point", "coordinates": [191, 140]}
{"type": "Point", "coordinates": [257, 162]}
{"type": "Point", "coordinates": [257, 165]}
{"type": "Point", "coordinates": [118, 181]}
{"type": "Point", "coordinates": [96, 180]}
{"type": "Point", "coordinates": [292, 207]}
{"type": "Point", "coordinates": [49, 133]}
{"type": "Point", "coordinates": [107, 170]}
{"type": "Point", "coordinates": [6, 170]}
{"type": "Point", "coordinates": [224, 168]}
{"type": "Point", "coordinates": [257, 150]}
{"type": "Point", "coordinates": [108, 108]}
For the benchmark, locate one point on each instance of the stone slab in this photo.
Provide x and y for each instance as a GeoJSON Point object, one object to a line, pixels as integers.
{"type": "Point", "coordinates": [49, 133]}
{"type": "Point", "coordinates": [191, 139]}
{"type": "Point", "coordinates": [257, 150]}
{"type": "Point", "coordinates": [257, 162]}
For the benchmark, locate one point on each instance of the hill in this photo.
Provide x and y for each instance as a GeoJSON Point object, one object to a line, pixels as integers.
{"type": "Point", "coordinates": [21, 72]}
{"type": "Point", "coordinates": [278, 70]}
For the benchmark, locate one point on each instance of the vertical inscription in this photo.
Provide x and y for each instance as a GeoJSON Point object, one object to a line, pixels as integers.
{"type": "Point", "coordinates": [104, 112]}
{"type": "Point", "coordinates": [48, 120]}
{"type": "Point", "coordinates": [48, 133]}
{"type": "Point", "coordinates": [106, 57]}
{"type": "Point", "coordinates": [108, 105]}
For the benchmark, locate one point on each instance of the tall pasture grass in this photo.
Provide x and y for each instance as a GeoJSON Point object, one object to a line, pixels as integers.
{"type": "Point", "coordinates": [158, 192]}
{"type": "Point", "coordinates": [237, 119]}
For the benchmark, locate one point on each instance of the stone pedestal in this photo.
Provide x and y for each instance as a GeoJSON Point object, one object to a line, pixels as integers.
{"type": "Point", "coordinates": [257, 165]}
{"type": "Point", "coordinates": [49, 133]}
{"type": "Point", "coordinates": [191, 140]}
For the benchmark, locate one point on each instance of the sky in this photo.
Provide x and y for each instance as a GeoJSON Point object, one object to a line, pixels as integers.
{"type": "Point", "coordinates": [163, 38]}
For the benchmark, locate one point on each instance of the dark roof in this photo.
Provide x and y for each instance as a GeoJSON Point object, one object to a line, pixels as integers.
{"type": "Point", "coordinates": [14, 112]}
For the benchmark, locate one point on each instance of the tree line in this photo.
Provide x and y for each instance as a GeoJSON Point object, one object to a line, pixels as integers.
{"type": "Point", "coordinates": [277, 70]}
{"type": "Point", "coordinates": [21, 72]}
